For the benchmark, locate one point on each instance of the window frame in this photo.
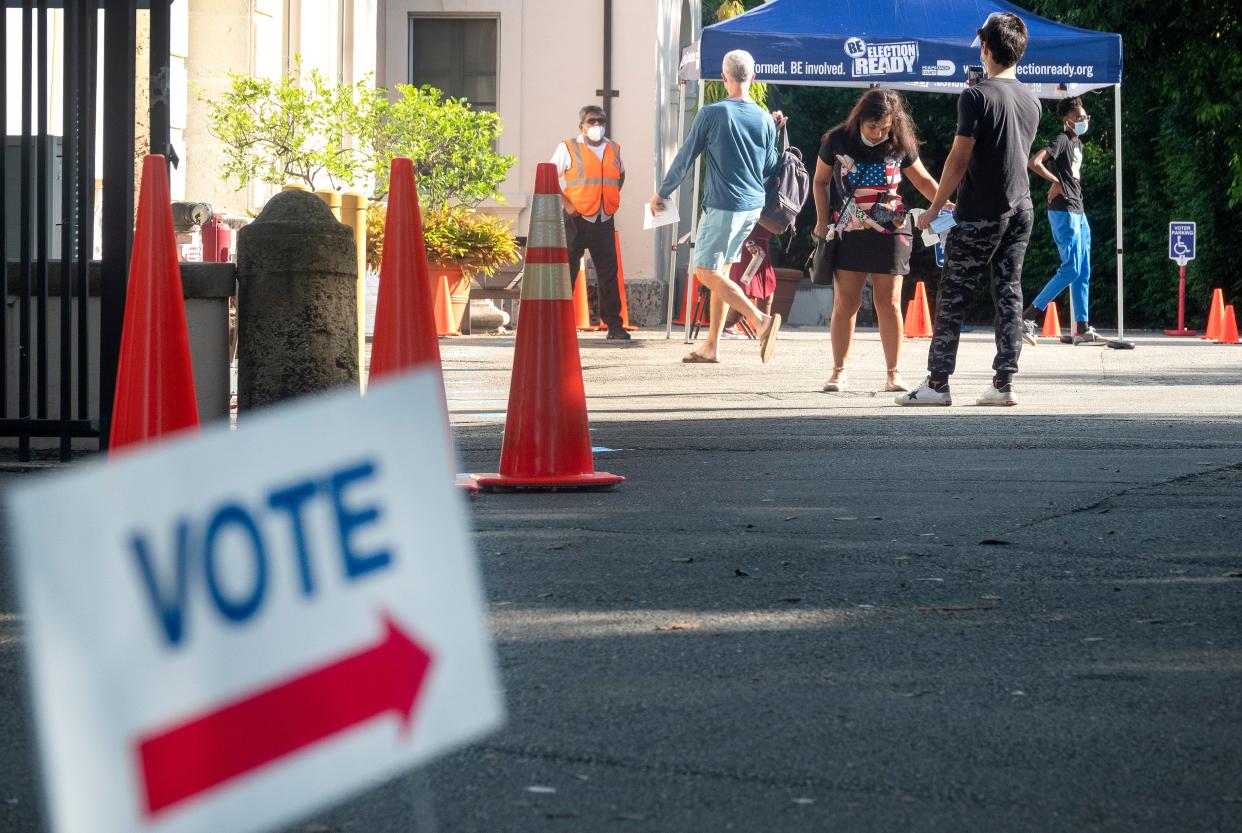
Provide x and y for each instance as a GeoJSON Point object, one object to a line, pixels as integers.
{"type": "Point", "coordinates": [459, 71]}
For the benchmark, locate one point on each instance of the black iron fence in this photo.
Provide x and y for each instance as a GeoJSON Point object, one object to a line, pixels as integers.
{"type": "Point", "coordinates": [48, 211]}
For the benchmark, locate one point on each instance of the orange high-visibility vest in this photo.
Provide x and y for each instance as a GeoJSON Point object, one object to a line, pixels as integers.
{"type": "Point", "coordinates": [591, 182]}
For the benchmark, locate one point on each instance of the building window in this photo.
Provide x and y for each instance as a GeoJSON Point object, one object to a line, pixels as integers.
{"type": "Point", "coordinates": [456, 55]}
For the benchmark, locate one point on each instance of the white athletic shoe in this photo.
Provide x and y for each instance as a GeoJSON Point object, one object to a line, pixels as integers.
{"type": "Point", "coordinates": [998, 396]}
{"type": "Point", "coordinates": [1089, 336]}
{"type": "Point", "coordinates": [925, 395]}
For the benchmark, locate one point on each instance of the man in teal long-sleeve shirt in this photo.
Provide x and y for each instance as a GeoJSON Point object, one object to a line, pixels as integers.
{"type": "Point", "coordinates": [740, 140]}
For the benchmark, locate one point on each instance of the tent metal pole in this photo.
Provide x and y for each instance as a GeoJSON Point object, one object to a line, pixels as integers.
{"type": "Point", "coordinates": [1121, 313]}
{"type": "Point", "coordinates": [688, 309]}
{"type": "Point", "coordinates": [672, 245]}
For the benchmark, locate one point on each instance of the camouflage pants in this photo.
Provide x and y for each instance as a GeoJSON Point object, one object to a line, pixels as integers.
{"type": "Point", "coordinates": [970, 249]}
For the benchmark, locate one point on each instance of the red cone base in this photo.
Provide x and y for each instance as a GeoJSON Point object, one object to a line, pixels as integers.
{"type": "Point", "coordinates": [599, 480]}
{"type": "Point", "coordinates": [551, 453]}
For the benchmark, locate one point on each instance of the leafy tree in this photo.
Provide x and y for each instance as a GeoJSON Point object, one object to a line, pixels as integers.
{"type": "Point", "coordinates": [452, 145]}
{"type": "Point", "coordinates": [301, 128]}
{"type": "Point", "coordinates": [1182, 144]}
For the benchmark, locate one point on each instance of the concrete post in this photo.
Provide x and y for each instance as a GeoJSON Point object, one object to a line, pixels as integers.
{"type": "Point", "coordinates": [296, 307]}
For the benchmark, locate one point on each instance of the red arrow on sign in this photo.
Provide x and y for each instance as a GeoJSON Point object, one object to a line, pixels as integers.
{"type": "Point", "coordinates": [205, 751]}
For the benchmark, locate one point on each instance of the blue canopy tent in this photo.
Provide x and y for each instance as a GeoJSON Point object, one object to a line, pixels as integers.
{"type": "Point", "coordinates": [921, 45]}
{"type": "Point", "coordinates": [915, 45]}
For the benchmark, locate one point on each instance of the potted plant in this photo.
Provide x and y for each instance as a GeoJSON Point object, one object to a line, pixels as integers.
{"type": "Point", "coordinates": [462, 243]}
{"type": "Point", "coordinates": [453, 177]}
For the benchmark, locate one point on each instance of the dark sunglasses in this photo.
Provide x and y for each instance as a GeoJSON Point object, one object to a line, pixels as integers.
{"type": "Point", "coordinates": [596, 121]}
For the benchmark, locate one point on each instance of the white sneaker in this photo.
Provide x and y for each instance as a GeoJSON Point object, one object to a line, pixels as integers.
{"type": "Point", "coordinates": [1089, 336]}
{"type": "Point", "coordinates": [998, 396]}
{"type": "Point", "coordinates": [926, 395]}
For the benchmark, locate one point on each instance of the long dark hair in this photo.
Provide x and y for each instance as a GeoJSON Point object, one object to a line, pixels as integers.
{"type": "Point", "coordinates": [874, 105]}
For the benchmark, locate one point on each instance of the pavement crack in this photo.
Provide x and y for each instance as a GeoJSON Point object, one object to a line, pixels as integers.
{"type": "Point", "coordinates": [1181, 478]}
{"type": "Point", "coordinates": [860, 786]}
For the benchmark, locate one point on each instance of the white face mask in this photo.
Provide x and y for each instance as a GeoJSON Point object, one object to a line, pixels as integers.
{"type": "Point", "coordinates": [595, 132]}
{"type": "Point", "coordinates": [870, 143]}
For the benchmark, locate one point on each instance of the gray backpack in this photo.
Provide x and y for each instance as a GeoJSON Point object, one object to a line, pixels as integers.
{"type": "Point", "coordinates": [787, 189]}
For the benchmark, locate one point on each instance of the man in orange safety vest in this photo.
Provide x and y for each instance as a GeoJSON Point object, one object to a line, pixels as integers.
{"type": "Point", "coordinates": [591, 178]}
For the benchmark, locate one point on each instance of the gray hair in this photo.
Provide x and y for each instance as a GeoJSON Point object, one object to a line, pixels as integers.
{"type": "Point", "coordinates": [738, 65]}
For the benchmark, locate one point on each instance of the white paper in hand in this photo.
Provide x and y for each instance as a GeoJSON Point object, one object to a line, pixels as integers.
{"type": "Point", "coordinates": [665, 217]}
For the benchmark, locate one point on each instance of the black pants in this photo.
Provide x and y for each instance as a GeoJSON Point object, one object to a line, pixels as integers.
{"type": "Point", "coordinates": [597, 238]}
{"type": "Point", "coordinates": [972, 248]}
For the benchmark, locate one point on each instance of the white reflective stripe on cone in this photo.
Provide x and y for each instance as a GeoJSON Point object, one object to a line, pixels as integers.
{"type": "Point", "coordinates": [547, 223]}
{"type": "Point", "coordinates": [546, 282]}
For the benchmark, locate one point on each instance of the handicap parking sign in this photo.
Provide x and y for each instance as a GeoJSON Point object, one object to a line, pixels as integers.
{"type": "Point", "coordinates": [1181, 241]}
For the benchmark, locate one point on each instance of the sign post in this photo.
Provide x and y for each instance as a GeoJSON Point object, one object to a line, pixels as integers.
{"type": "Point", "coordinates": [241, 628]}
{"type": "Point", "coordinates": [1181, 252]}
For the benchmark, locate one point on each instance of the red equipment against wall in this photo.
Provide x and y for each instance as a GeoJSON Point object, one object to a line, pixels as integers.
{"type": "Point", "coordinates": [217, 240]}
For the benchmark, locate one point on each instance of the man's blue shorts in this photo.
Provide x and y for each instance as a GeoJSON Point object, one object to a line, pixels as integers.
{"type": "Point", "coordinates": [720, 237]}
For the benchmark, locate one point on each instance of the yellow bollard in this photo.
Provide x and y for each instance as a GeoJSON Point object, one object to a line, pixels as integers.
{"type": "Point", "coordinates": [353, 213]}
{"type": "Point", "coordinates": [332, 199]}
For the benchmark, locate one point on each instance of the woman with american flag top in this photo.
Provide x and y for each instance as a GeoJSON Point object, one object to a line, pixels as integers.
{"type": "Point", "coordinates": [861, 164]}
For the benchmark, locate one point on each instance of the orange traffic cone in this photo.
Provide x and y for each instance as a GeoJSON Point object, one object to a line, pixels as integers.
{"type": "Point", "coordinates": [1215, 313]}
{"type": "Point", "coordinates": [154, 392]}
{"type": "Point", "coordinates": [920, 322]}
{"type": "Point", "coordinates": [405, 320]}
{"type": "Point", "coordinates": [625, 305]}
{"type": "Point", "coordinates": [908, 320]}
{"type": "Point", "coordinates": [1228, 327]}
{"type": "Point", "coordinates": [444, 310]}
{"type": "Point", "coordinates": [694, 294]}
{"type": "Point", "coordinates": [405, 323]}
{"type": "Point", "coordinates": [625, 302]}
{"type": "Point", "coordinates": [547, 444]}
{"type": "Point", "coordinates": [582, 306]}
{"type": "Point", "coordinates": [1052, 322]}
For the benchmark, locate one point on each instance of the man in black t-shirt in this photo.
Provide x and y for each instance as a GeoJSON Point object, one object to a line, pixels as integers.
{"type": "Point", "coordinates": [996, 123]}
{"type": "Point", "coordinates": [1061, 164]}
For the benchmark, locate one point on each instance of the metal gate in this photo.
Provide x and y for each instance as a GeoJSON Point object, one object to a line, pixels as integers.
{"type": "Point", "coordinates": [48, 211]}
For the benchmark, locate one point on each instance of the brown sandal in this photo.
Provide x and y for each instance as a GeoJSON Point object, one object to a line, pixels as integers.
{"type": "Point", "coordinates": [767, 343]}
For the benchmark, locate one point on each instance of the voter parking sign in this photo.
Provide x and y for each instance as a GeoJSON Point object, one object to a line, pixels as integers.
{"type": "Point", "coordinates": [1181, 241]}
{"type": "Point", "coordinates": [235, 629]}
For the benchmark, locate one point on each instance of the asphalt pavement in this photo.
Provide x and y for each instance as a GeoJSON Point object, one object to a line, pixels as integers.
{"type": "Point", "coordinates": [812, 612]}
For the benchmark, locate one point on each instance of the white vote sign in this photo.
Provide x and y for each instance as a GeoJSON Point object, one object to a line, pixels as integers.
{"type": "Point", "coordinates": [233, 629]}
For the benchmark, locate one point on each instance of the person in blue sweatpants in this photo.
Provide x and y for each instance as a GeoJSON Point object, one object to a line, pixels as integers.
{"type": "Point", "coordinates": [1061, 164]}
